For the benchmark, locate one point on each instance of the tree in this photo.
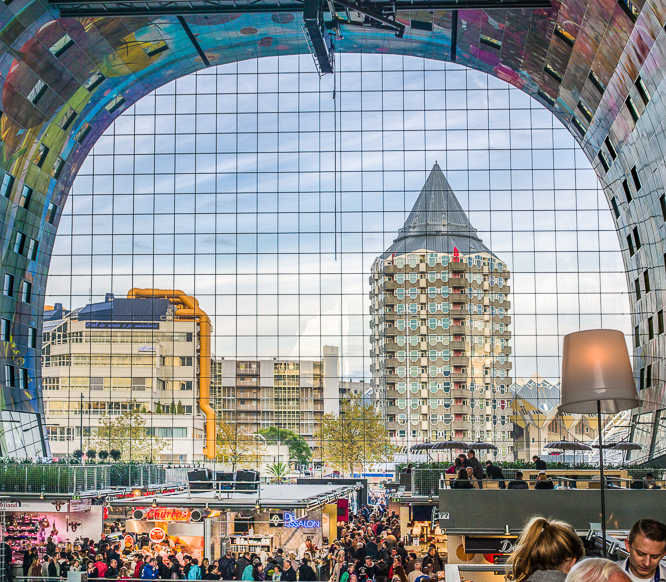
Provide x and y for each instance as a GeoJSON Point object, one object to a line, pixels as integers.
{"type": "Point", "coordinates": [238, 448]}
{"type": "Point", "coordinates": [128, 434]}
{"type": "Point", "coordinates": [91, 454]}
{"type": "Point", "coordinates": [355, 437]}
{"type": "Point", "coordinates": [299, 450]}
{"type": "Point", "coordinates": [115, 454]}
{"type": "Point", "coordinates": [103, 455]}
{"type": "Point", "coordinates": [278, 471]}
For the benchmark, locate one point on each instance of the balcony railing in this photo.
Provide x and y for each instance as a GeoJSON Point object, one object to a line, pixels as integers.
{"type": "Point", "coordinates": [68, 479]}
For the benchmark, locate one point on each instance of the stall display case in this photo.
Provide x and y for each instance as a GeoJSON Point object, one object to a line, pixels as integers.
{"type": "Point", "coordinates": [251, 543]}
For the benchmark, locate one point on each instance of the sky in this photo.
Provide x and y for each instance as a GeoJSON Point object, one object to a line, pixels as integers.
{"type": "Point", "coordinates": [251, 187]}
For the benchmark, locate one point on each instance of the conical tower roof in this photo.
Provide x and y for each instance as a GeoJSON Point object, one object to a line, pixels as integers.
{"type": "Point", "coordinates": [437, 222]}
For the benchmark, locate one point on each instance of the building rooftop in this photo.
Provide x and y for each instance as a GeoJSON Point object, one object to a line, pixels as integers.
{"type": "Point", "coordinates": [437, 222]}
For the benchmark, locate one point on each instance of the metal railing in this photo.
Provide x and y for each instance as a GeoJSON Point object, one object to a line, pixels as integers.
{"type": "Point", "coordinates": [67, 479]}
{"type": "Point", "coordinates": [425, 482]}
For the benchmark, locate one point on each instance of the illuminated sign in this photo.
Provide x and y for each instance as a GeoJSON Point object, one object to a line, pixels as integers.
{"type": "Point", "coordinates": [167, 514]}
{"type": "Point", "coordinates": [147, 349]}
{"type": "Point", "coordinates": [291, 521]}
{"type": "Point", "coordinates": [157, 534]}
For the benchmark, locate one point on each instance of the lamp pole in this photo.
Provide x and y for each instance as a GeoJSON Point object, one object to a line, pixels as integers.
{"type": "Point", "coordinates": [603, 481]}
{"type": "Point", "coordinates": [81, 433]}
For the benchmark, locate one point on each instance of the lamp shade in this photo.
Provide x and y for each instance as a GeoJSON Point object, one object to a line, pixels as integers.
{"type": "Point", "coordinates": [596, 368]}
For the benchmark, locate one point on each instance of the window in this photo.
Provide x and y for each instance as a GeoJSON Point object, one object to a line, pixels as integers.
{"type": "Point", "coordinates": [8, 285]}
{"type": "Point", "coordinates": [10, 376]}
{"type": "Point", "coordinates": [630, 244]}
{"type": "Point", "coordinates": [611, 148]}
{"type": "Point", "coordinates": [60, 46]}
{"type": "Point", "coordinates": [37, 92]}
{"type": "Point", "coordinates": [631, 106]}
{"type": "Point", "coordinates": [5, 330]}
{"type": "Point", "coordinates": [32, 337]}
{"type": "Point", "coordinates": [19, 243]}
{"type": "Point", "coordinates": [635, 178]}
{"type": "Point", "coordinates": [616, 210]}
{"type": "Point", "coordinates": [51, 213]}
{"type": "Point", "coordinates": [7, 184]}
{"type": "Point", "coordinates": [637, 336]}
{"type": "Point", "coordinates": [67, 119]}
{"type": "Point", "coordinates": [648, 376]}
{"type": "Point", "coordinates": [33, 248]}
{"type": "Point", "coordinates": [646, 280]}
{"type": "Point", "coordinates": [662, 202]}
{"type": "Point", "coordinates": [642, 90]}
{"type": "Point", "coordinates": [637, 238]}
{"type": "Point", "coordinates": [26, 196]}
{"type": "Point", "coordinates": [627, 191]}
{"type": "Point", "coordinates": [596, 82]}
{"type": "Point", "coordinates": [650, 328]}
{"type": "Point", "coordinates": [93, 82]}
{"type": "Point", "coordinates": [23, 379]}
{"type": "Point", "coordinates": [82, 133]}
{"type": "Point", "coordinates": [40, 156]}
{"type": "Point", "coordinates": [660, 321]}
{"type": "Point", "coordinates": [26, 292]}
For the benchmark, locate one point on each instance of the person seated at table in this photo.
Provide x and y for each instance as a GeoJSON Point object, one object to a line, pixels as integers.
{"type": "Point", "coordinates": [472, 479]}
{"type": "Point", "coordinates": [545, 552]}
{"type": "Point", "coordinates": [543, 482]}
{"type": "Point", "coordinates": [518, 482]}
{"type": "Point", "coordinates": [650, 482]}
{"type": "Point", "coordinates": [462, 481]}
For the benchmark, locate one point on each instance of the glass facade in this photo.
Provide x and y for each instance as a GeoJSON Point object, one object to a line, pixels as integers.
{"type": "Point", "coordinates": [252, 189]}
{"type": "Point", "coordinates": [65, 81]}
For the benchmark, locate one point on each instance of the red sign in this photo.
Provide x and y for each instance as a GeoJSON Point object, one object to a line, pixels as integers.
{"type": "Point", "coordinates": [157, 535]}
{"type": "Point", "coordinates": [167, 514]}
{"type": "Point", "coordinates": [129, 541]}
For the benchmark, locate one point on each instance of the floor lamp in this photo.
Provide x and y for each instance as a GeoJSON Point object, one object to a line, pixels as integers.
{"type": "Point", "coordinates": [597, 379]}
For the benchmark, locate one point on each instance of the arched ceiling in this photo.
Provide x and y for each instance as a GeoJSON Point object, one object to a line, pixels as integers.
{"type": "Point", "coordinates": [597, 65]}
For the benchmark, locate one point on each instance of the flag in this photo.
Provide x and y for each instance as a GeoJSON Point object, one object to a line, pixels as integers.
{"type": "Point", "coordinates": [456, 255]}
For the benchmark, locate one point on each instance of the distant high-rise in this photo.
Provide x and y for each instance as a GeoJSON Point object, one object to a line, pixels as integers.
{"type": "Point", "coordinates": [440, 328]}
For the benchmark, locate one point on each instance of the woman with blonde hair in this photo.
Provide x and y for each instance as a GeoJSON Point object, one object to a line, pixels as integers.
{"type": "Point", "coordinates": [545, 551]}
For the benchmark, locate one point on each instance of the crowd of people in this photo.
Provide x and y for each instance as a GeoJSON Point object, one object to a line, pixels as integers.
{"type": "Point", "coordinates": [369, 549]}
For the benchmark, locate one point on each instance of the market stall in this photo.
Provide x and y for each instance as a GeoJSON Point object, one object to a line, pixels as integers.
{"type": "Point", "coordinates": [205, 523]}
{"type": "Point", "coordinates": [32, 522]}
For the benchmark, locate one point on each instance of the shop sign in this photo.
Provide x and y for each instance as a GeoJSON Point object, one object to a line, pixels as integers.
{"type": "Point", "coordinates": [167, 514]}
{"type": "Point", "coordinates": [487, 545]}
{"type": "Point", "coordinates": [276, 520]}
{"type": "Point", "coordinates": [10, 504]}
{"type": "Point", "coordinates": [157, 535]}
{"type": "Point", "coordinates": [147, 349]}
{"type": "Point", "coordinates": [291, 521]}
{"type": "Point", "coordinates": [129, 540]}
{"type": "Point", "coordinates": [79, 505]}
{"type": "Point", "coordinates": [122, 325]}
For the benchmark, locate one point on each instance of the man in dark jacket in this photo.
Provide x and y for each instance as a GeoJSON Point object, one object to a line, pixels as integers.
{"type": "Point", "coordinates": [539, 464]}
{"type": "Point", "coordinates": [476, 466]}
{"type": "Point", "coordinates": [385, 553]}
{"type": "Point", "coordinates": [495, 473]}
{"type": "Point", "coordinates": [227, 566]}
{"type": "Point", "coordinates": [242, 563]}
{"type": "Point", "coordinates": [112, 570]}
{"type": "Point", "coordinates": [372, 548]}
{"type": "Point", "coordinates": [306, 573]}
{"type": "Point", "coordinates": [288, 573]}
{"type": "Point", "coordinates": [402, 552]}
{"type": "Point", "coordinates": [366, 572]}
{"type": "Point", "coordinates": [28, 558]}
{"type": "Point", "coordinates": [518, 482]}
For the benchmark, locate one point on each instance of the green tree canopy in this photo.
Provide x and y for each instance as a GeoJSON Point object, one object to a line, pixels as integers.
{"type": "Point", "coordinates": [128, 434]}
{"type": "Point", "coordinates": [236, 447]}
{"type": "Point", "coordinates": [299, 450]}
{"type": "Point", "coordinates": [355, 437]}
